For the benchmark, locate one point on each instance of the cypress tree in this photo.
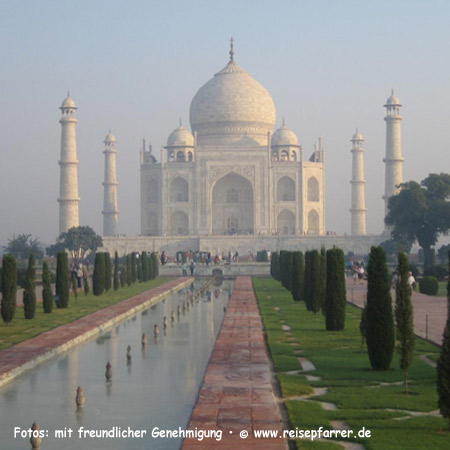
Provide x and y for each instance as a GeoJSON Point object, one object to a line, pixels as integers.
{"type": "Point", "coordinates": [47, 293]}
{"type": "Point", "coordinates": [380, 322]}
{"type": "Point", "coordinates": [116, 272]}
{"type": "Point", "coordinates": [140, 275]}
{"type": "Point", "coordinates": [108, 271]}
{"type": "Point", "coordinates": [312, 280]}
{"type": "Point", "coordinates": [335, 291]}
{"type": "Point", "coordinates": [150, 268]}
{"type": "Point", "coordinates": [9, 288]}
{"type": "Point", "coordinates": [144, 266]}
{"type": "Point", "coordinates": [29, 293]}
{"type": "Point", "coordinates": [275, 265]}
{"type": "Point", "coordinates": [133, 268]}
{"type": "Point", "coordinates": [98, 280]}
{"type": "Point", "coordinates": [298, 276]}
{"type": "Point", "coordinates": [443, 364]}
{"type": "Point", "coordinates": [74, 284]}
{"type": "Point", "coordinates": [323, 279]}
{"type": "Point", "coordinates": [128, 269]}
{"type": "Point", "coordinates": [404, 316]}
{"type": "Point", "coordinates": [363, 326]}
{"type": "Point", "coordinates": [86, 283]}
{"type": "Point", "coordinates": [123, 276]}
{"type": "Point", "coordinates": [62, 280]}
{"type": "Point", "coordinates": [155, 264]}
{"type": "Point", "coordinates": [286, 269]}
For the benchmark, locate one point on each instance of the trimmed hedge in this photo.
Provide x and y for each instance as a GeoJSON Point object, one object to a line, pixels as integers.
{"type": "Point", "coordinates": [429, 286]}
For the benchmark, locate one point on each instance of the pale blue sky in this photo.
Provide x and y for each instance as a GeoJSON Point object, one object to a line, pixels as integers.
{"type": "Point", "coordinates": [135, 66]}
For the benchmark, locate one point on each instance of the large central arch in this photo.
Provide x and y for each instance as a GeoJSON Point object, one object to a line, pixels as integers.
{"type": "Point", "coordinates": [232, 205]}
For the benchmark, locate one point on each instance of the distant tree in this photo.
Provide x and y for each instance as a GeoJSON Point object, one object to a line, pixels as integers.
{"type": "Point", "coordinates": [421, 212]}
{"type": "Point", "coordinates": [29, 293]}
{"type": "Point", "coordinates": [98, 280]}
{"type": "Point", "coordinates": [133, 267]}
{"type": "Point", "coordinates": [298, 276]}
{"type": "Point", "coordinates": [116, 272]}
{"type": "Point", "coordinates": [323, 279]}
{"type": "Point", "coordinates": [442, 253]}
{"type": "Point", "coordinates": [155, 264]}
{"type": "Point", "coordinates": [9, 288]}
{"type": "Point", "coordinates": [394, 245]}
{"type": "Point", "coordinates": [79, 241]}
{"type": "Point", "coordinates": [62, 280]}
{"type": "Point", "coordinates": [47, 293]}
{"type": "Point", "coordinates": [312, 280]}
{"type": "Point", "coordinates": [363, 326]}
{"type": "Point", "coordinates": [380, 321]}
{"type": "Point", "coordinates": [286, 269]}
{"type": "Point", "coordinates": [128, 269]}
{"type": "Point", "coordinates": [336, 291]}
{"type": "Point", "coordinates": [23, 245]}
{"type": "Point", "coordinates": [275, 266]}
{"type": "Point", "coordinates": [108, 272]}
{"type": "Point", "coordinates": [443, 364]}
{"type": "Point", "coordinates": [404, 316]}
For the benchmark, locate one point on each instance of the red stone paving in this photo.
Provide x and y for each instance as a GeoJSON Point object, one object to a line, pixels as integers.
{"type": "Point", "coordinates": [424, 305]}
{"type": "Point", "coordinates": [237, 393]}
{"type": "Point", "coordinates": [22, 356]}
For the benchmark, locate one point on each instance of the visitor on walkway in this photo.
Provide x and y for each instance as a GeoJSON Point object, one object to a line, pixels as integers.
{"type": "Point", "coordinates": [184, 269]}
{"type": "Point", "coordinates": [411, 282]}
{"type": "Point", "coordinates": [192, 267]}
{"type": "Point", "coordinates": [361, 274]}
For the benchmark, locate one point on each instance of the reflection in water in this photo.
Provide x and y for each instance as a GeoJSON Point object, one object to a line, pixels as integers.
{"type": "Point", "coordinates": [157, 387]}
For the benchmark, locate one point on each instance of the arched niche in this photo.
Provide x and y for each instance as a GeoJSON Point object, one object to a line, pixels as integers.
{"type": "Point", "coordinates": [179, 223]}
{"type": "Point", "coordinates": [179, 190]}
{"type": "Point", "coordinates": [286, 189]}
{"type": "Point", "coordinates": [152, 191]}
{"type": "Point", "coordinates": [286, 222]}
{"type": "Point", "coordinates": [313, 222]}
{"type": "Point", "coordinates": [313, 190]}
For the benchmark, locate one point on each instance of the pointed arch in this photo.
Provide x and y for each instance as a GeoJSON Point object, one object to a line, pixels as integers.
{"type": "Point", "coordinates": [313, 222]}
{"type": "Point", "coordinates": [313, 190]}
{"type": "Point", "coordinates": [179, 190]}
{"type": "Point", "coordinates": [179, 223]}
{"type": "Point", "coordinates": [286, 222]}
{"type": "Point", "coordinates": [286, 189]}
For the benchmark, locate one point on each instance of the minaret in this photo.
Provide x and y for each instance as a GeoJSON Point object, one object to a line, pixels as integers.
{"type": "Point", "coordinates": [110, 210]}
{"type": "Point", "coordinates": [358, 208]}
{"type": "Point", "coordinates": [394, 159]}
{"type": "Point", "coordinates": [68, 188]}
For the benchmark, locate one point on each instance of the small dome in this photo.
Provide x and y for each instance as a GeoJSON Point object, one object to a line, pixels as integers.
{"type": "Point", "coordinates": [284, 136]}
{"type": "Point", "coordinates": [357, 136]}
{"type": "Point", "coordinates": [68, 103]}
{"type": "Point", "coordinates": [393, 101]}
{"type": "Point", "coordinates": [110, 138]}
{"type": "Point", "coordinates": [180, 137]}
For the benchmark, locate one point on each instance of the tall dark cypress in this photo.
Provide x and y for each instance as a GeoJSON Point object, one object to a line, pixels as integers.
{"type": "Point", "coordinates": [312, 280]}
{"type": "Point", "coordinates": [404, 316]}
{"type": "Point", "coordinates": [335, 291]}
{"type": "Point", "coordinates": [155, 261]}
{"type": "Point", "coordinates": [98, 279]}
{"type": "Point", "coordinates": [47, 293]}
{"type": "Point", "coordinates": [9, 288]}
{"type": "Point", "coordinates": [116, 282]}
{"type": "Point", "coordinates": [286, 269]}
{"type": "Point", "coordinates": [380, 321]}
{"type": "Point", "coordinates": [144, 266]}
{"type": "Point", "coordinates": [323, 279]}
{"type": "Point", "coordinates": [298, 276]}
{"type": "Point", "coordinates": [108, 271]}
{"type": "Point", "coordinates": [275, 266]}
{"type": "Point", "coordinates": [133, 268]}
{"type": "Point", "coordinates": [62, 280]}
{"type": "Point", "coordinates": [128, 269]}
{"type": "Point", "coordinates": [29, 293]}
{"type": "Point", "coordinates": [443, 364]}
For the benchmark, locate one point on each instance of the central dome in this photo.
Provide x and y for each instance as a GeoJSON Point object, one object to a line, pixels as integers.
{"type": "Point", "coordinates": [232, 106]}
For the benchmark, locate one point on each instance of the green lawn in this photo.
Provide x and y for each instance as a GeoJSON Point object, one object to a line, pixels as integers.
{"type": "Point", "coordinates": [352, 385]}
{"type": "Point", "coordinates": [20, 329]}
{"type": "Point", "coordinates": [442, 292]}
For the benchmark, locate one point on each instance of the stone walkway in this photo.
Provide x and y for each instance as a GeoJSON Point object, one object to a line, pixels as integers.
{"type": "Point", "coordinates": [28, 354]}
{"type": "Point", "coordinates": [237, 395]}
{"type": "Point", "coordinates": [424, 305]}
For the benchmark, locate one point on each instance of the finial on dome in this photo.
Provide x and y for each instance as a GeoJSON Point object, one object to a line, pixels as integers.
{"type": "Point", "coordinates": [68, 93]}
{"type": "Point", "coordinates": [392, 91]}
{"type": "Point", "coordinates": [231, 49]}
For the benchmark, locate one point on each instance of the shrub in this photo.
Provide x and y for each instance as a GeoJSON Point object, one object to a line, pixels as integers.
{"type": "Point", "coordinates": [155, 265]}
{"type": "Point", "coordinates": [98, 280]}
{"type": "Point", "coordinates": [298, 276]}
{"type": "Point", "coordinates": [335, 290]}
{"type": "Point", "coordinates": [9, 288]}
{"type": "Point", "coordinates": [145, 267]}
{"type": "Point", "coordinates": [429, 286]}
{"type": "Point", "coordinates": [380, 320]}
{"type": "Point", "coordinates": [128, 269]}
{"type": "Point", "coordinates": [29, 293]}
{"type": "Point", "coordinates": [47, 293]}
{"type": "Point", "coordinates": [286, 269]}
{"type": "Point", "coordinates": [440, 272]}
{"type": "Point", "coordinates": [108, 271]}
{"type": "Point", "coordinates": [133, 267]}
{"type": "Point", "coordinates": [275, 266]}
{"type": "Point", "coordinates": [323, 279]}
{"type": "Point", "coordinates": [116, 272]}
{"type": "Point", "coordinates": [312, 280]}
{"type": "Point", "coordinates": [62, 280]}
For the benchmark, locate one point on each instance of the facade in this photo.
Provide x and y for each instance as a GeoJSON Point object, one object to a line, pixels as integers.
{"type": "Point", "coordinates": [68, 186]}
{"type": "Point", "coordinates": [232, 175]}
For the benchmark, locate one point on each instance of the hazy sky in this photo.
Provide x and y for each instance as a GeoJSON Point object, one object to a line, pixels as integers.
{"type": "Point", "coordinates": [135, 66]}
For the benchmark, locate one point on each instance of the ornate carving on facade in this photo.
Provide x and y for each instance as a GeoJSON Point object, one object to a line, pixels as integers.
{"type": "Point", "coordinates": [216, 172]}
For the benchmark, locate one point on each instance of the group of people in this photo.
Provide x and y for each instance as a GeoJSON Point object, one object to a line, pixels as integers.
{"type": "Point", "coordinates": [78, 272]}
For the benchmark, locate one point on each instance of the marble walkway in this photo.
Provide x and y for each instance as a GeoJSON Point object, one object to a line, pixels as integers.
{"type": "Point", "coordinates": [237, 396]}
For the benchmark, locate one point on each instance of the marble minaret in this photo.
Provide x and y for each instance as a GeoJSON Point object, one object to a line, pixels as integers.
{"type": "Point", "coordinates": [110, 210]}
{"type": "Point", "coordinates": [358, 208]}
{"type": "Point", "coordinates": [68, 188]}
{"type": "Point", "coordinates": [394, 158]}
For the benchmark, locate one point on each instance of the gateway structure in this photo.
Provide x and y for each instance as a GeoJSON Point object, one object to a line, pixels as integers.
{"type": "Point", "coordinates": [232, 174]}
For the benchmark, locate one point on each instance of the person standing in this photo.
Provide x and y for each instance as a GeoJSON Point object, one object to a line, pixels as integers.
{"type": "Point", "coordinates": [192, 267]}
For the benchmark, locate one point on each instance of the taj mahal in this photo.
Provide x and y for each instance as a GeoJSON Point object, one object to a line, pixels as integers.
{"type": "Point", "coordinates": [231, 182]}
